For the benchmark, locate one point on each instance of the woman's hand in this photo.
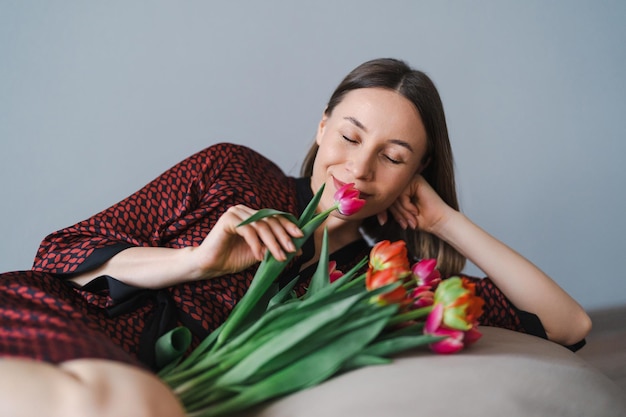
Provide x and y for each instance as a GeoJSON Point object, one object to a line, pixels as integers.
{"type": "Point", "coordinates": [528, 288]}
{"type": "Point", "coordinates": [418, 207]}
{"type": "Point", "coordinates": [228, 248]}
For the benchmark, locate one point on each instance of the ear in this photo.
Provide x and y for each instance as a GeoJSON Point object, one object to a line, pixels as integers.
{"type": "Point", "coordinates": [320, 129]}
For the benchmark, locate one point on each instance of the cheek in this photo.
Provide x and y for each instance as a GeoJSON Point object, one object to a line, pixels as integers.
{"type": "Point", "coordinates": [399, 184]}
{"type": "Point", "coordinates": [327, 156]}
{"type": "Point", "coordinates": [320, 166]}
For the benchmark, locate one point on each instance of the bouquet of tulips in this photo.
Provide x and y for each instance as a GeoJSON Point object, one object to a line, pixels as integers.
{"type": "Point", "coordinates": [274, 343]}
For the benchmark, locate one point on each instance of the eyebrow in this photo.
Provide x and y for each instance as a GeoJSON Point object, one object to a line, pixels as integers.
{"type": "Point", "coordinates": [363, 128]}
{"type": "Point", "coordinates": [356, 123]}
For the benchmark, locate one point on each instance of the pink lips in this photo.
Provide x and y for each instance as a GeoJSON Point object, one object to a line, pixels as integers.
{"type": "Point", "coordinates": [339, 184]}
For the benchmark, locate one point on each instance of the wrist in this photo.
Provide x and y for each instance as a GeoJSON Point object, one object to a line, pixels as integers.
{"type": "Point", "coordinates": [194, 268]}
{"type": "Point", "coordinates": [447, 225]}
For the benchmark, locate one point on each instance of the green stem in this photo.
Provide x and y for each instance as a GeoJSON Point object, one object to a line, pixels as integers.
{"type": "Point", "coordinates": [267, 272]}
{"type": "Point", "coordinates": [410, 315]}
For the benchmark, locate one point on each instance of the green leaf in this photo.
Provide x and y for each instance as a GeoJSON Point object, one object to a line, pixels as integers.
{"type": "Point", "coordinates": [347, 278]}
{"type": "Point", "coordinates": [310, 209]}
{"type": "Point", "coordinates": [321, 277]}
{"type": "Point", "coordinates": [343, 283]}
{"type": "Point", "coordinates": [360, 315]}
{"type": "Point", "coordinates": [406, 330]}
{"type": "Point", "coordinates": [411, 315]}
{"type": "Point", "coordinates": [263, 213]}
{"type": "Point", "coordinates": [274, 320]}
{"type": "Point", "coordinates": [199, 351]}
{"type": "Point", "coordinates": [331, 293]}
{"type": "Point", "coordinates": [282, 295]}
{"type": "Point", "coordinates": [170, 347]}
{"type": "Point", "coordinates": [306, 372]}
{"type": "Point", "coordinates": [191, 388]}
{"type": "Point", "coordinates": [257, 310]}
{"type": "Point", "coordinates": [265, 275]}
{"type": "Point", "coordinates": [206, 360]}
{"type": "Point", "coordinates": [390, 347]}
{"type": "Point", "coordinates": [284, 340]}
{"type": "Point", "coordinates": [269, 269]}
{"type": "Point", "coordinates": [361, 360]}
{"type": "Point", "coordinates": [205, 390]}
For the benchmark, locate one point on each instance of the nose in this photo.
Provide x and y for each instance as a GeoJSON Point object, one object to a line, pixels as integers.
{"type": "Point", "coordinates": [361, 165]}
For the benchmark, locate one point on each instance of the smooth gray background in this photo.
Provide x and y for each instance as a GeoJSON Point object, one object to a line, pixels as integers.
{"type": "Point", "coordinates": [98, 98]}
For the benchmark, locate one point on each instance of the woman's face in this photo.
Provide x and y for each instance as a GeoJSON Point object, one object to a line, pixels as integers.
{"type": "Point", "coordinates": [375, 139]}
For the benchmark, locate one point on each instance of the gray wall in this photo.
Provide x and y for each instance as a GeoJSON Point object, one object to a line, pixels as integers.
{"type": "Point", "coordinates": [97, 98]}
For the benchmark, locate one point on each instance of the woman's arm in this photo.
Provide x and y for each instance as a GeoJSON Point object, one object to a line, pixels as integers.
{"type": "Point", "coordinates": [525, 285]}
{"type": "Point", "coordinates": [226, 249]}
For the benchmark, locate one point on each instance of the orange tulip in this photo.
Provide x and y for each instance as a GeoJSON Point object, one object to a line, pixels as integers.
{"type": "Point", "coordinates": [461, 306]}
{"type": "Point", "coordinates": [389, 255]}
{"type": "Point", "coordinates": [377, 279]}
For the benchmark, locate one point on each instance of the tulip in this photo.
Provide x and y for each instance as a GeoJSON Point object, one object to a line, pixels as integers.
{"type": "Point", "coordinates": [455, 340]}
{"type": "Point", "coordinates": [427, 276]}
{"type": "Point", "coordinates": [423, 297]}
{"type": "Point", "coordinates": [454, 315]}
{"type": "Point", "coordinates": [347, 200]}
{"type": "Point", "coordinates": [377, 279]}
{"type": "Point", "coordinates": [388, 263]}
{"type": "Point", "coordinates": [461, 306]}
{"type": "Point", "coordinates": [333, 273]}
{"type": "Point", "coordinates": [389, 255]}
{"type": "Point", "coordinates": [425, 273]}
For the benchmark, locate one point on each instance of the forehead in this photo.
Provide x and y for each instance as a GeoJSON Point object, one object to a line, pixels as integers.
{"type": "Point", "coordinates": [382, 113]}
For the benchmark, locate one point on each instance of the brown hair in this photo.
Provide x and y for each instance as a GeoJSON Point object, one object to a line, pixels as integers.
{"type": "Point", "coordinates": [418, 88]}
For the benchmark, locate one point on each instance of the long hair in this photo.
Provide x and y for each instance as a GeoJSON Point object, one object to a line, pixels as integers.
{"type": "Point", "coordinates": [418, 88]}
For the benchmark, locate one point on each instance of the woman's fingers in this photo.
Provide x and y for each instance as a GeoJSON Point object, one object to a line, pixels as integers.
{"type": "Point", "coordinates": [404, 211]}
{"type": "Point", "coordinates": [273, 233]}
{"type": "Point", "coordinates": [277, 238]}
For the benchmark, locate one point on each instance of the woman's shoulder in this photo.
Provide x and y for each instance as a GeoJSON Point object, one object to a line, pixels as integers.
{"type": "Point", "coordinates": [246, 170]}
{"type": "Point", "coordinates": [240, 156]}
{"type": "Point", "coordinates": [231, 150]}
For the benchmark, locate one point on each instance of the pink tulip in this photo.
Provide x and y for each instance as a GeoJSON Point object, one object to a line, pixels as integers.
{"type": "Point", "coordinates": [427, 276]}
{"type": "Point", "coordinates": [348, 201]}
{"type": "Point", "coordinates": [471, 336]}
{"type": "Point", "coordinates": [451, 344]}
{"type": "Point", "coordinates": [333, 273]}
{"type": "Point", "coordinates": [423, 296]}
{"type": "Point", "coordinates": [426, 273]}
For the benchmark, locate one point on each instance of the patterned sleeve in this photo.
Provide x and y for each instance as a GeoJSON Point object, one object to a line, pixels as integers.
{"type": "Point", "coordinates": [176, 209]}
{"type": "Point", "coordinates": [500, 312]}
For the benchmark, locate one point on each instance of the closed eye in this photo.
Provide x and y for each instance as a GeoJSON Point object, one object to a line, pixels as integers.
{"type": "Point", "coordinates": [349, 140]}
{"type": "Point", "coordinates": [393, 161]}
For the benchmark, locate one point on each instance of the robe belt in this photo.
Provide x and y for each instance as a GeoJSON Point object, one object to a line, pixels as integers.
{"type": "Point", "coordinates": [127, 298]}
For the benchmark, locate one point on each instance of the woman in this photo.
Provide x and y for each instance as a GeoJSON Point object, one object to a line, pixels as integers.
{"type": "Point", "coordinates": [172, 254]}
